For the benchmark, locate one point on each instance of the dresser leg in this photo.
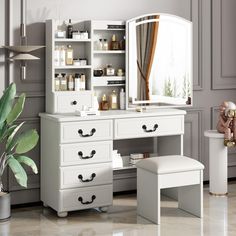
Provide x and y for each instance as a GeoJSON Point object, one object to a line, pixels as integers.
{"type": "Point", "coordinates": [62, 214]}
{"type": "Point", "coordinates": [45, 205]}
{"type": "Point", "coordinates": [103, 209]}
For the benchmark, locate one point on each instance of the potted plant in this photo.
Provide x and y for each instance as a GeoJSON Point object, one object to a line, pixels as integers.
{"type": "Point", "coordinates": [14, 144]}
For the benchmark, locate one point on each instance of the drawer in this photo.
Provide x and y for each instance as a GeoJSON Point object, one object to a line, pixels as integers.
{"type": "Point", "coordinates": [90, 197]}
{"type": "Point", "coordinates": [148, 127]}
{"type": "Point", "coordinates": [70, 102]}
{"type": "Point", "coordinates": [86, 153]}
{"type": "Point", "coordinates": [86, 175]}
{"type": "Point", "coordinates": [86, 131]}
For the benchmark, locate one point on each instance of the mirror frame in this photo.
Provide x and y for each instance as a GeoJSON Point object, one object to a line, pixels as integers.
{"type": "Point", "coordinates": [153, 104]}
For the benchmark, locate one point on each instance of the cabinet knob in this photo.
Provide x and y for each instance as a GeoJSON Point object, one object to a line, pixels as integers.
{"type": "Point", "coordinates": [74, 103]}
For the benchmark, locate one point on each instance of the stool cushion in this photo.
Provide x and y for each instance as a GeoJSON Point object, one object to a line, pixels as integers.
{"type": "Point", "coordinates": [169, 164]}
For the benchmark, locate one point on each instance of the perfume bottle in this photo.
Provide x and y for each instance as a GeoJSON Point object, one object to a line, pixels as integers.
{"type": "Point", "coordinates": [113, 100]}
{"type": "Point", "coordinates": [114, 43]}
{"type": "Point", "coordinates": [57, 83]}
{"type": "Point", "coordinates": [69, 55]}
{"type": "Point", "coordinates": [104, 103]}
{"type": "Point", "coordinates": [105, 44]}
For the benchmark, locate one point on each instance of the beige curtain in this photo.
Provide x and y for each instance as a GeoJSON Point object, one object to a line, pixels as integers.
{"type": "Point", "coordinates": [146, 43]}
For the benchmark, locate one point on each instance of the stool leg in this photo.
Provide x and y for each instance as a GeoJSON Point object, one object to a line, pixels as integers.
{"type": "Point", "coordinates": [191, 198]}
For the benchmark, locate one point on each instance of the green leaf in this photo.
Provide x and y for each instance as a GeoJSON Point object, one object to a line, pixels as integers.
{"type": "Point", "coordinates": [8, 132]}
{"type": "Point", "coordinates": [17, 109]}
{"type": "Point", "coordinates": [18, 171]}
{"type": "Point", "coordinates": [29, 162]}
{"type": "Point", "coordinates": [27, 141]}
{"type": "Point", "coordinates": [10, 142]}
{"type": "Point", "coordinates": [6, 101]}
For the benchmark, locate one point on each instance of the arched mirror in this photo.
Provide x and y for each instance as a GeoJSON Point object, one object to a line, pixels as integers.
{"type": "Point", "coordinates": [159, 61]}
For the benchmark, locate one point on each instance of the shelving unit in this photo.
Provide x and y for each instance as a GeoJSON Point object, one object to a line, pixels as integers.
{"type": "Point", "coordinates": [83, 48]}
{"type": "Point", "coordinates": [100, 59]}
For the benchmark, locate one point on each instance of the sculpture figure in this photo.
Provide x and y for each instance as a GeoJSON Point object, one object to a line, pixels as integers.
{"type": "Point", "coordinates": [227, 123]}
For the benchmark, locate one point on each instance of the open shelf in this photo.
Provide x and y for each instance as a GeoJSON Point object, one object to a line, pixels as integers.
{"type": "Point", "coordinates": [72, 40]}
{"type": "Point", "coordinates": [72, 67]}
{"type": "Point", "coordinates": [100, 81]}
{"type": "Point", "coordinates": [109, 52]}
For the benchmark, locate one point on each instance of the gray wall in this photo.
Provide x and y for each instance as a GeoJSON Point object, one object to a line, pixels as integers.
{"type": "Point", "coordinates": [214, 61]}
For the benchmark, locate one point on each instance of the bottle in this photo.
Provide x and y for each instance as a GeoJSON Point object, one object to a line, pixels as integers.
{"type": "Point", "coordinates": [122, 44]}
{"type": "Point", "coordinates": [100, 45]}
{"type": "Point", "coordinates": [69, 55]}
{"type": "Point", "coordinates": [105, 44]}
{"type": "Point", "coordinates": [122, 99]}
{"type": "Point", "coordinates": [57, 56]}
{"type": "Point", "coordinates": [114, 43]}
{"type": "Point", "coordinates": [69, 30]}
{"type": "Point", "coordinates": [82, 82]}
{"type": "Point", "coordinates": [62, 56]}
{"type": "Point", "coordinates": [57, 83]}
{"type": "Point", "coordinates": [95, 102]}
{"type": "Point", "coordinates": [113, 100]}
{"type": "Point", "coordinates": [77, 82]}
{"type": "Point", "coordinates": [63, 82]}
{"type": "Point", "coordinates": [104, 103]}
{"type": "Point", "coordinates": [70, 83]}
{"type": "Point", "coordinates": [110, 71]}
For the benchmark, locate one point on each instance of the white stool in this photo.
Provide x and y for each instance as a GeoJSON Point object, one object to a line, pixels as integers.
{"type": "Point", "coordinates": [218, 163]}
{"type": "Point", "coordinates": [154, 174]}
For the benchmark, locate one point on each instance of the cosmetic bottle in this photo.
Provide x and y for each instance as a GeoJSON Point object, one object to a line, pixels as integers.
{"type": "Point", "coordinates": [63, 82]}
{"type": "Point", "coordinates": [122, 44]}
{"type": "Point", "coordinates": [77, 82]}
{"type": "Point", "coordinates": [69, 55]}
{"type": "Point", "coordinates": [104, 103]}
{"type": "Point", "coordinates": [57, 83]}
{"type": "Point", "coordinates": [110, 71]}
{"type": "Point", "coordinates": [69, 30]}
{"type": "Point", "coordinates": [70, 83]}
{"type": "Point", "coordinates": [82, 82]}
{"type": "Point", "coordinates": [100, 45]}
{"type": "Point", "coordinates": [122, 99]}
{"type": "Point", "coordinates": [114, 43]}
{"type": "Point", "coordinates": [62, 56]}
{"type": "Point", "coordinates": [57, 56]}
{"type": "Point", "coordinates": [113, 100]}
{"type": "Point", "coordinates": [105, 45]}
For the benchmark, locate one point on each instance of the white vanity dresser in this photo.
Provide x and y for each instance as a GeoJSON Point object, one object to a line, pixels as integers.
{"type": "Point", "coordinates": [76, 153]}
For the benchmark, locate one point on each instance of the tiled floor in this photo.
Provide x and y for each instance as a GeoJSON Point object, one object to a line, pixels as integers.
{"type": "Point", "coordinates": [121, 220]}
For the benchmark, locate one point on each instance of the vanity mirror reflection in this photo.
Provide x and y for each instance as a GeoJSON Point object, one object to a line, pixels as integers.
{"type": "Point", "coordinates": [159, 61]}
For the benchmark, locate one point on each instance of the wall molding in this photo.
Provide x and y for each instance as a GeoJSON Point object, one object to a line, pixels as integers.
{"type": "Point", "coordinates": [196, 17]}
{"type": "Point", "coordinates": [194, 120]}
{"type": "Point", "coordinates": [219, 79]}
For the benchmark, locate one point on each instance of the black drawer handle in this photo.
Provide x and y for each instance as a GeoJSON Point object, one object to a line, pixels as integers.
{"type": "Point", "coordinates": [74, 103]}
{"type": "Point", "coordinates": [80, 199]}
{"type": "Point", "coordinates": [87, 157]}
{"type": "Point", "coordinates": [92, 132]}
{"type": "Point", "coordinates": [93, 175]}
{"type": "Point", "coordinates": [150, 130]}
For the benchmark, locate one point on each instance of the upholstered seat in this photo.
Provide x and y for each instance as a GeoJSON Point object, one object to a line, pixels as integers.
{"type": "Point", "coordinates": [156, 173]}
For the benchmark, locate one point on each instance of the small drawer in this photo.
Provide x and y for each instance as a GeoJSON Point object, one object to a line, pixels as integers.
{"type": "Point", "coordinates": [86, 175]}
{"type": "Point", "coordinates": [73, 101]}
{"type": "Point", "coordinates": [149, 127]}
{"type": "Point", "coordinates": [83, 198]}
{"type": "Point", "coordinates": [86, 131]}
{"type": "Point", "coordinates": [86, 153]}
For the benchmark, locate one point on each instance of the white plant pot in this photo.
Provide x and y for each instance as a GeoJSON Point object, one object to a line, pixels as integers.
{"type": "Point", "coordinates": [5, 206]}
